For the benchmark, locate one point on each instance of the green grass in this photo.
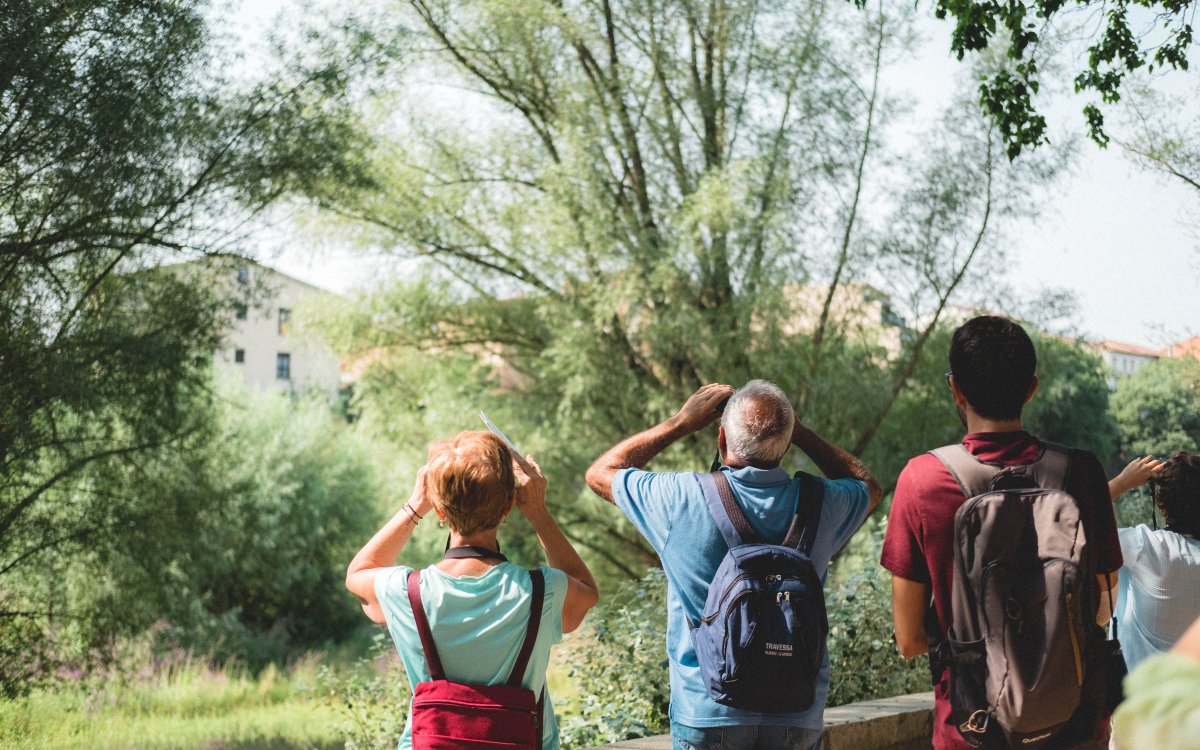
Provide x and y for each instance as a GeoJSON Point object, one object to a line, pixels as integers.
{"type": "Point", "coordinates": [186, 707]}
{"type": "Point", "coordinates": [151, 698]}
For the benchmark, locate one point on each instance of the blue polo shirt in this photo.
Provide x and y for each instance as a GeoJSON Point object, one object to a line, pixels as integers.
{"type": "Point", "coordinates": [670, 511]}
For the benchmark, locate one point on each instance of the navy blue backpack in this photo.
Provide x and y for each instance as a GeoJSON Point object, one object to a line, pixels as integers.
{"type": "Point", "coordinates": [760, 641]}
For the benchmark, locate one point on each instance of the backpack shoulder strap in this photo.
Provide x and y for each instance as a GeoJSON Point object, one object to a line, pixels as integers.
{"type": "Point", "coordinates": [732, 523]}
{"type": "Point", "coordinates": [974, 477]}
{"type": "Point", "coordinates": [531, 630]}
{"type": "Point", "coordinates": [1053, 469]}
{"type": "Point", "coordinates": [418, 609]}
{"type": "Point", "coordinates": [803, 532]}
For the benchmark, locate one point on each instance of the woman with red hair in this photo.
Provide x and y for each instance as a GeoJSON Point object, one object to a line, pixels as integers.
{"type": "Point", "coordinates": [475, 604]}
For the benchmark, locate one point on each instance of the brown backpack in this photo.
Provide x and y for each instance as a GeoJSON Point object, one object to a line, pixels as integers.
{"type": "Point", "coordinates": [1023, 605]}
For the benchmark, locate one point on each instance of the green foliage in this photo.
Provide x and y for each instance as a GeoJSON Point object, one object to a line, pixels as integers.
{"type": "Point", "coordinates": [121, 149]}
{"type": "Point", "coordinates": [246, 534]}
{"type": "Point", "coordinates": [614, 229]}
{"type": "Point", "coordinates": [1117, 46]}
{"type": "Point", "coordinates": [1072, 403]}
{"type": "Point", "coordinates": [1158, 408]}
{"type": "Point", "coordinates": [371, 697]}
{"type": "Point", "coordinates": [863, 658]}
{"type": "Point", "coordinates": [1158, 412]}
{"type": "Point", "coordinates": [238, 537]}
{"type": "Point", "coordinates": [923, 417]}
{"type": "Point", "coordinates": [620, 668]}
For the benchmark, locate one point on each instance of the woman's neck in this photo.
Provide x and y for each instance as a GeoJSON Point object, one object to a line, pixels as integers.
{"type": "Point", "coordinates": [486, 539]}
{"type": "Point", "coordinates": [471, 566]}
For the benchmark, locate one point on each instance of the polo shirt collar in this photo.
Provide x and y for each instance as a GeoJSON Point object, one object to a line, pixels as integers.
{"type": "Point", "coordinates": [758, 477]}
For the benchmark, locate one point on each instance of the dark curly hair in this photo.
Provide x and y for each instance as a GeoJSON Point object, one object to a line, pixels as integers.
{"type": "Point", "coordinates": [1178, 495]}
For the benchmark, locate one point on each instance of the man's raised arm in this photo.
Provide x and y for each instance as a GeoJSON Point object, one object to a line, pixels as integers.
{"type": "Point", "coordinates": [834, 462]}
{"type": "Point", "coordinates": [701, 410]}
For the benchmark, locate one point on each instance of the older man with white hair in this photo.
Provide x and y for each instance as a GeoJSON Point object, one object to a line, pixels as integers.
{"type": "Point", "coordinates": [758, 425]}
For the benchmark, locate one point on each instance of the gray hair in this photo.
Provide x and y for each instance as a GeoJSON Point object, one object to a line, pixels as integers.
{"type": "Point", "coordinates": [758, 422]}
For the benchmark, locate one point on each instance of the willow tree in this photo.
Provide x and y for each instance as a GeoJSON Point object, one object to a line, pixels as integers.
{"type": "Point", "coordinates": [620, 201]}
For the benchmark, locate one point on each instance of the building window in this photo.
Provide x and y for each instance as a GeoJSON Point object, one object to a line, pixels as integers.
{"type": "Point", "coordinates": [283, 366]}
{"type": "Point", "coordinates": [240, 311]}
{"type": "Point", "coordinates": [285, 319]}
{"type": "Point", "coordinates": [239, 356]}
{"type": "Point", "coordinates": [243, 275]}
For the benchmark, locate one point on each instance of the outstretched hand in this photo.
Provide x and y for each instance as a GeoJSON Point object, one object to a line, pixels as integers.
{"type": "Point", "coordinates": [1138, 472]}
{"type": "Point", "coordinates": [704, 406]}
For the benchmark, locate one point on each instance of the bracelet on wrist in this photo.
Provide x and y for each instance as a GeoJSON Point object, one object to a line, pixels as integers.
{"type": "Point", "coordinates": [416, 516]}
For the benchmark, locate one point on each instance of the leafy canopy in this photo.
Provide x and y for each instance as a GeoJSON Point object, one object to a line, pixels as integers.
{"type": "Point", "coordinates": [1122, 36]}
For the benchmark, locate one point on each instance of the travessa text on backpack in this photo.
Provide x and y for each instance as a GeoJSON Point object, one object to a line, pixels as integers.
{"type": "Point", "coordinates": [760, 641]}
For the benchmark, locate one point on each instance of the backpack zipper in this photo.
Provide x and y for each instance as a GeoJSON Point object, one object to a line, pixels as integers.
{"type": "Point", "coordinates": [721, 604]}
{"type": "Point", "coordinates": [421, 703]}
{"type": "Point", "coordinates": [725, 639]}
{"type": "Point", "coordinates": [1074, 638]}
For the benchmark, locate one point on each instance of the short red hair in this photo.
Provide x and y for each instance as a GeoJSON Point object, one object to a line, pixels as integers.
{"type": "Point", "coordinates": [471, 480]}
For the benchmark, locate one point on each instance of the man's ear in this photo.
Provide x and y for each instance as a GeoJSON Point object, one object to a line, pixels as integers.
{"type": "Point", "coordinates": [721, 442]}
{"type": "Point", "coordinates": [1032, 389]}
{"type": "Point", "coordinates": [957, 393]}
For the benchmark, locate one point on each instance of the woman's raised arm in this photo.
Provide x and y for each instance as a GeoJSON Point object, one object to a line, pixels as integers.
{"type": "Point", "coordinates": [582, 591]}
{"type": "Point", "coordinates": [383, 549]}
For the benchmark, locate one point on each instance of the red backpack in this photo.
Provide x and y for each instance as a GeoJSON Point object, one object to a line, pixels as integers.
{"type": "Point", "coordinates": [449, 715]}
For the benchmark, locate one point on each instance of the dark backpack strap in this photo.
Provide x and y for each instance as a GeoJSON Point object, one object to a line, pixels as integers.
{"type": "Point", "coordinates": [731, 522]}
{"type": "Point", "coordinates": [1053, 469]}
{"type": "Point", "coordinates": [803, 531]}
{"type": "Point", "coordinates": [418, 609]}
{"type": "Point", "coordinates": [531, 630]}
{"type": "Point", "coordinates": [974, 477]}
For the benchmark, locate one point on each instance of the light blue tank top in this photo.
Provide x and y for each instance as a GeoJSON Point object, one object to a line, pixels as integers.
{"type": "Point", "coordinates": [478, 626]}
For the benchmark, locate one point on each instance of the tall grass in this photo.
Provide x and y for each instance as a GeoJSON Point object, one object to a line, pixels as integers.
{"type": "Point", "coordinates": [150, 698]}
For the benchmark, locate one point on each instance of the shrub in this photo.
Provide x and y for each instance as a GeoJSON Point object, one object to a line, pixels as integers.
{"type": "Point", "coordinates": [371, 697]}
{"type": "Point", "coordinates": [620, 672]}
{"type": "Point", "coordinates": [238, 538]}
{"type": "Point", "coordinates": [862, 650]}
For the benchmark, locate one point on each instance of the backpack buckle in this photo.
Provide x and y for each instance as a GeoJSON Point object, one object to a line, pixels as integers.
{"type": "Point", "coordinates": [974, 725]}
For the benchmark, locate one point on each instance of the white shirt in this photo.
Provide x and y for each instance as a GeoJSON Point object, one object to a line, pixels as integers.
{"type": "Point", "coordinates": [1158, 596]}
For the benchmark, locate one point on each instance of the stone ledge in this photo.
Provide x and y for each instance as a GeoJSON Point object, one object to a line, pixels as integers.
{"type": "Point", "coordinates": [901, 723]}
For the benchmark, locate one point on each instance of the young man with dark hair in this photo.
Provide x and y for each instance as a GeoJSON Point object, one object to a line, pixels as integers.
{"type": "Point", "coordinates": [992, 376]}
{"type": "Point", "coordinates": [1160, 581]}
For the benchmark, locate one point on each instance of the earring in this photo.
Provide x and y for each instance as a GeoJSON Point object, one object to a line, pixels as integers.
{"type": "Point", "coordinates": [441, 523]}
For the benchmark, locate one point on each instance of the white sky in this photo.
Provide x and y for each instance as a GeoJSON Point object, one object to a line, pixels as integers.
{"type": "Point", "coordinates": [1124, 240]}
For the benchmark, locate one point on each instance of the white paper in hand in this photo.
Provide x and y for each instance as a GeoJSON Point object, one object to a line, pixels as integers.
{"type": "Point", "coordinates": [517, 454]}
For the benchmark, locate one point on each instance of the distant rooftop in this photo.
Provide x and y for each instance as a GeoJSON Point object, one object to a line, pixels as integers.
{"type": "Point", "coordinates": [1120, 347]}
{"type": "Point", "coordinates": [1180, 349]}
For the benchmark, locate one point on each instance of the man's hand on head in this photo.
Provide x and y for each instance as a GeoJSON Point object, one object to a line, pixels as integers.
{"type": "Point", "coordinates": [701, 410]}
{"type": "Point", "coordinates": [703, 407]}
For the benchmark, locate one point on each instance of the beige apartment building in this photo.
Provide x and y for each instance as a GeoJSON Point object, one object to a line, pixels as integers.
{"type": "Point", "coordinates": [262, 344]}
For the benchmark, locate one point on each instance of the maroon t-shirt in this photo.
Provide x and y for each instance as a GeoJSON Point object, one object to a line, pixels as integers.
{"type": "Point", "coordinates": [919, 544]}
